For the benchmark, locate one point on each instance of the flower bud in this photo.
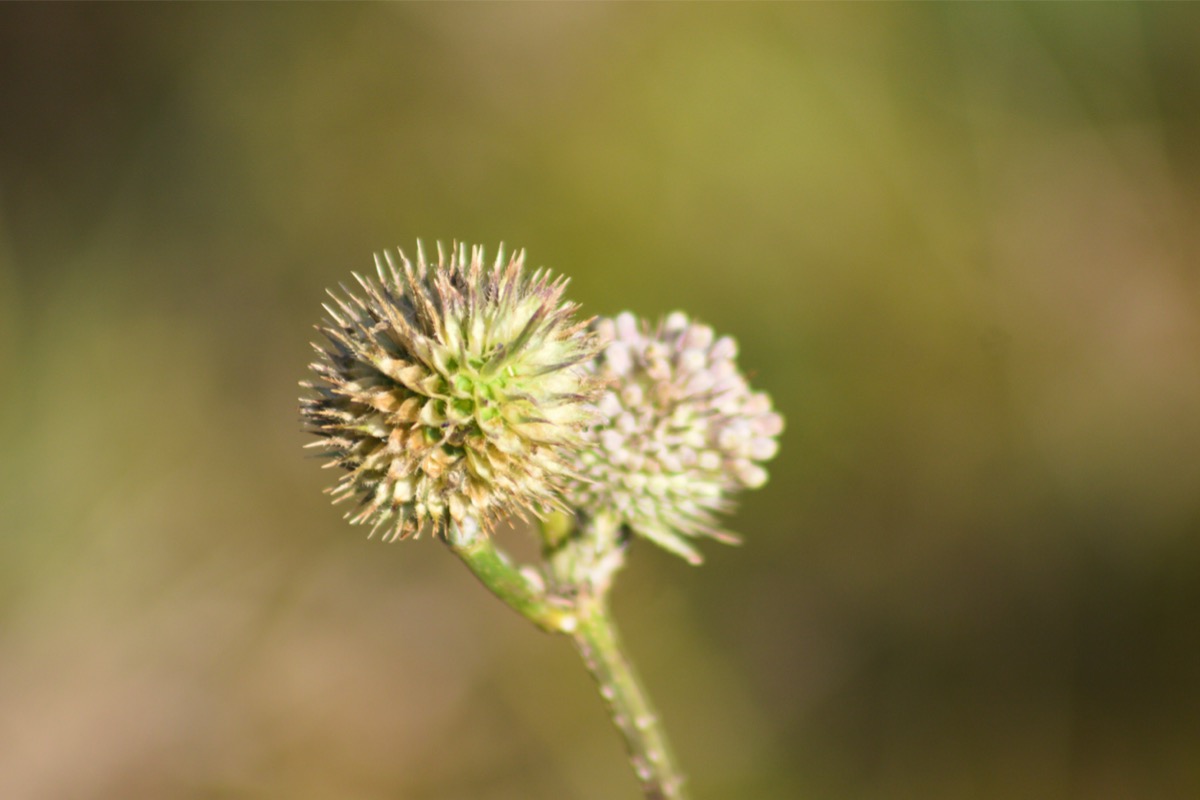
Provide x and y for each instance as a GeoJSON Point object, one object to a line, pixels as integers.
{"type": "Point", "coordinates": [680, 431]}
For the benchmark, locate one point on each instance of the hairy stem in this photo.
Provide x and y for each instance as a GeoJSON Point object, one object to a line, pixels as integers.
{"type": "Point", "coordinates": [596, 639]}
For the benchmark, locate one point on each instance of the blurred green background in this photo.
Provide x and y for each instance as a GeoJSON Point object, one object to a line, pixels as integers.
{"type": "Point", "coordinates": [958, 244]}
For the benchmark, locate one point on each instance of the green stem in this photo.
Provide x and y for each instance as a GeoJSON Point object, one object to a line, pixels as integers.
{"type": "Point", "coordinates": [508, 583]}
{"type": "Point", "coordinates": [581, 565]}
{"type": "Point", "coordinates": [596, 639]}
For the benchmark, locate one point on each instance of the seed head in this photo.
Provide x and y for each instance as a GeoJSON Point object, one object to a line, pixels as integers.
{"type": "Point", "coordinates": [680, 431]}
{"type": "Point", "coordinates": [450, 391]}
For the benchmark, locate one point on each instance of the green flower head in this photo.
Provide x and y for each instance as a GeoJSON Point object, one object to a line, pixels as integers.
{"type": "Point", "coordinates": [450, 393]}
{"type": "Point", "coordinates": [680, 432]}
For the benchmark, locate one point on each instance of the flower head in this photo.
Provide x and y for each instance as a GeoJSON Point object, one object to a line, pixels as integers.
{"type": "Point", "coordinates": [680, 431]}
{"type": "Point", "coordinates": [449, 391]}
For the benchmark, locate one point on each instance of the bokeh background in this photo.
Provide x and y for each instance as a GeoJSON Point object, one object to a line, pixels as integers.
{"type": "Point", "coordinates": [958, 244]}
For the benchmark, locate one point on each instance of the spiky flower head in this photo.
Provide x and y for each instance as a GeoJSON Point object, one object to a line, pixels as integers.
{"type": "Point", "coordinates": [681, 431]}
{"type": "Point", "coordinates": [450, 392]}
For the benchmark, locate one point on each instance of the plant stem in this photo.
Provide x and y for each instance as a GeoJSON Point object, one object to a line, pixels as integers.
{"type": "Point", "coordinates": [581, 568]}
{"type": "Point", "coordinates": [511, 585]}
{"type": "Point", "coordinates": [596, 639]}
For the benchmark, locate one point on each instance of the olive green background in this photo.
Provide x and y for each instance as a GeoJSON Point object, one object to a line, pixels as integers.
{"type": "Point", "coordinates": [957, 243]}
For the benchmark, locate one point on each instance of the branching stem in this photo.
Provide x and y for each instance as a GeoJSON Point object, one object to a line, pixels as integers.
{"type": "Point", "coordinates": [511, 585]}
{"type": "Point", "coordinates": [581, 565]}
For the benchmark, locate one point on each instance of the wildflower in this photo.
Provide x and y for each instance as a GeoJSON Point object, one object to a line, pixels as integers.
{"type": "Point", "coordinates": [681, 431]}
{"type": "Point", "coordinates": [448, 392]}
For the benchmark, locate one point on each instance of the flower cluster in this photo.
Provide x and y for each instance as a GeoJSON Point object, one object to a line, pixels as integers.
{"type": "Point", "coordinates": [450, 393]}
{"type": "Point", "coordinates": [453, 394]}
{"type": "Point", "coordinates": [681, 430]}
